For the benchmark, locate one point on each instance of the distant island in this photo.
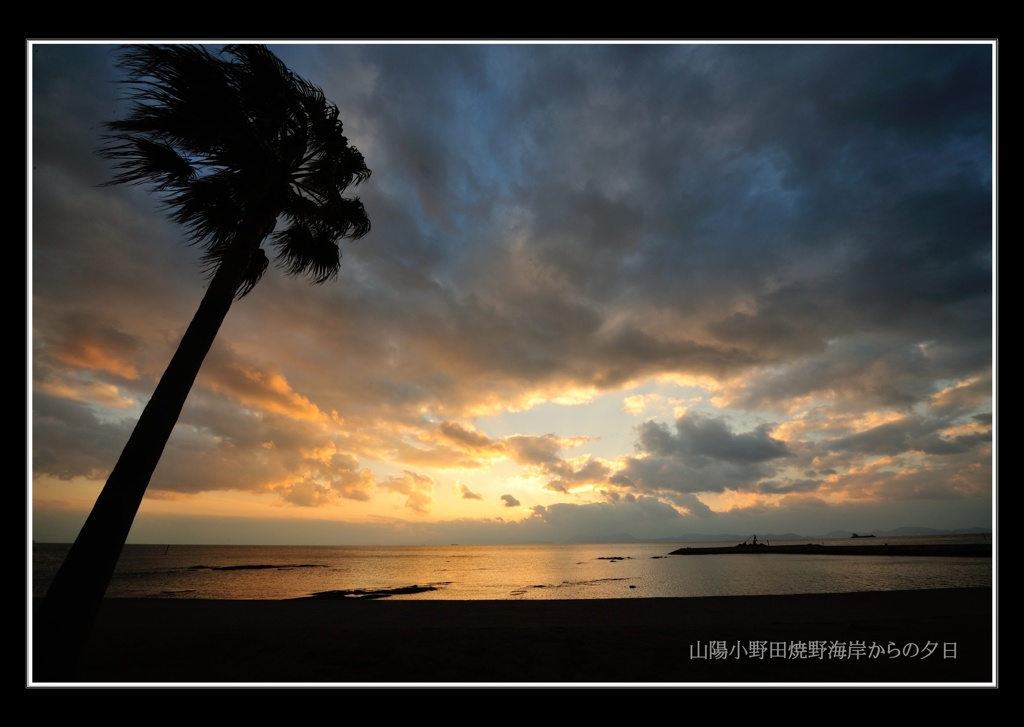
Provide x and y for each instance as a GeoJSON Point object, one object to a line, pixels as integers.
{"type": "Point", "coordinates": [722, 537]}
{"type": "Point", "coordinates": [964, 550]}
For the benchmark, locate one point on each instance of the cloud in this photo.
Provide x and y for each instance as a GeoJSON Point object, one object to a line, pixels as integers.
{"type": "Point", "coordinates": [633, 404]}
{"type": "Point", "coordinates": [790, 244]}
{"type": "Point", "coordinates": [509, 501]}
{"type": "Point", "coordinates": [257, 387]}
{"type": "Point", "coordinates": [858, 372]}
{"type": "Point", "coordinates": [693, 505]}
{"type": "Point", "coordinates": [702, 437]}
{"type": "Point", "coordinates": [70, 441]}
{"type": "Point", "coordinates": [642, 515]}
{"type": "Point", "coordinates": [466, 437]}
{"type": "Point", "coordinates": [535, 450]}
{"type": "Point", "coordinates": [417, 488]}
{"type": "Point", "coordinates": [568, 475]}
{"type": "Point", "coordinates": [105, 350]}
{"type": "Point", "coordinates": [467, 494]}
{"type": "Point", "coordinates": [908, 434]}
{"type": "Point", "coordinates": [307, 493]}
{"type": "Point", "coordinates": [788, 486]}
{"type": "Point", "coordinates": [329, 477]}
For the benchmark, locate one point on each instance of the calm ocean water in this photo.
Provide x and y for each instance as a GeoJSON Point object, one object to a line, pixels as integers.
{"type": "Point", "coordinates": [500, 572]}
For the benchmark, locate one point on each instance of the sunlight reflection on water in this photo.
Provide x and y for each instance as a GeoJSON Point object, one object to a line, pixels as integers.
{"type": "Point", "coordinates": [506, 572]}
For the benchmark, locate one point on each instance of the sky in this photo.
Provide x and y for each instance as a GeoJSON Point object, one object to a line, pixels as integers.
{"type": "Point", "coordinates": [611, 291]}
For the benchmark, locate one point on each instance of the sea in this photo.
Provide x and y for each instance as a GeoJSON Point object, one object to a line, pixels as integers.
{"type": "Point", "coordinates": [513, 572]}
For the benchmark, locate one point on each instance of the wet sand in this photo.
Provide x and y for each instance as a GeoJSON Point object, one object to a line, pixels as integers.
{"type": "Point", "coordinates": [807, 639]}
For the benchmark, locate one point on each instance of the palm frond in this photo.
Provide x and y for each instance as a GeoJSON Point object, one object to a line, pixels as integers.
{"type": "Point", "coordinates": [209, 210]}
{"type": "Point", "coordinates": [258, 265]}
{"type": "Point", "coordinates": [233, 139]}
{"type": "Point", "coordinates": [303, 251]}
{"type": "Point", "coordinates": [147, 161]}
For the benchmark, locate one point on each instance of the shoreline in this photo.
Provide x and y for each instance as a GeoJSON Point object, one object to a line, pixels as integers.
{"type": "Point", "coordinates": [622, 641]}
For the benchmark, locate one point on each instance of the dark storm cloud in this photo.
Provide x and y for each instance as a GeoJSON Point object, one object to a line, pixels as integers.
{"type": "Point", "coordinates": [724, 187]}
{"type": "Point", "coordinates": [73, 92]}
{"type": "Point", "coordinates": [670, 476]}
{"type": "Point", "coordinates": [693, 505]}
{"type": "Point", "coordinates": [753, 219]}
{"type": "Point", "coordinates": [567, 475]}
{"type": "Point", "coordinates": [642, 514]}
{"type": "Point", "coordinates": [906, 435]}
{"type": "Point", "coordinates": [788, 486]}
{"type": "Point", "coordinates": [419, 110]}
{"type": "Point", "coordinates": [808, 224]}
{"type": "Point", "coordinates": [71, 441]}
{"type": "Point", "coordinates": [965, 399]}
{"type": "Point", "coordinates": [465, 437]}
{"type": "Point", "coordinates": [535, 450]}
{"type": "Point", "coordinates": [703, 437]}
{"type": "Point", "coordinates": [94, 239]}
{"type": "Point", "coordinates": [867, 371]}
{"type": "Point", "coordinates": [702, 455]}
{"type": "Point", "coordinates": [925, 92]}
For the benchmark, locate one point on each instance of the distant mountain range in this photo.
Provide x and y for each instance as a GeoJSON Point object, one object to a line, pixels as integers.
{"type": "Point", "coordinates": [764, 537]}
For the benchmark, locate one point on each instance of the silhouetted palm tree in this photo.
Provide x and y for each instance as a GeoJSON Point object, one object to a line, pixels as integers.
{"type": "Point", "coordinates": [243, 152]}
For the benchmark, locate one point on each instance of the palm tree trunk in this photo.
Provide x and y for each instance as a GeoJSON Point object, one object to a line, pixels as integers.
{"type": "Point", "coordinates": [66, 616]}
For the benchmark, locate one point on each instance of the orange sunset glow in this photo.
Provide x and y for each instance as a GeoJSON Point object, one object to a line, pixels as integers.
{"type": "Point", "coordinates": [630, 291]}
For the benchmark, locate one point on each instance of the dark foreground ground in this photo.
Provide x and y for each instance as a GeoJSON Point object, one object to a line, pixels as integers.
{"type": "Point", "coordinates": [901, 637]}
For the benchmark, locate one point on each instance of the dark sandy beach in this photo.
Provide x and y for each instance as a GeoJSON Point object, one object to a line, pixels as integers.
{"type": "Point", "coordinates": [904, 637]}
